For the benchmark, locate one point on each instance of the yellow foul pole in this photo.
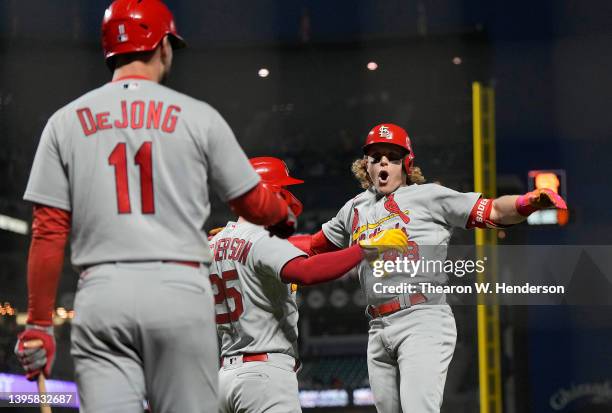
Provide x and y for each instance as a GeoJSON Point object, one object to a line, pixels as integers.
{"type": "Point", "coordinates": [489, 346]}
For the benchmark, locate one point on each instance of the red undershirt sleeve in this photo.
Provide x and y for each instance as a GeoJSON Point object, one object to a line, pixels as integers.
{"type": "Point", "coordinates": [321, 268]}
{"type": "Point", "coordinates": [313, 244]}
{"type": "Point", "coordinates": [302, 241]}
{"type": "Point", "coordinates": [50, 230]}
{"type": "Point", "coordinates": [320, 244]}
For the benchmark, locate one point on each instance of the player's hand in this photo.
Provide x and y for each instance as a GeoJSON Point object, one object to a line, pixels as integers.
{"type": "Point", "coordinates": [35, 350]}
{"type": "Point", "coordinates": [388, 239]}
{"type": "Point", "coordinates": [285, 228]}
{"type": "Point", "coordinates": [539, 199]}
{"type": "Point", "coordinates": [214, 232]}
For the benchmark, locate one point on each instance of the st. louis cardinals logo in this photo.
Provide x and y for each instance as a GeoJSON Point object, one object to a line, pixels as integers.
{"type": "Point", "coordinates": [392, 207]}
{"type": "Point", "coordinates": [355, 223]}
{"type": "Point", "coordinates": [123, 37]}
{"type": "Point", "coordinates": [385, 132]}
{"type": "Point", "coordinates": [360, 232]}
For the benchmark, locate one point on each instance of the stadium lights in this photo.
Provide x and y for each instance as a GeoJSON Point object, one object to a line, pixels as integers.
{"type": "Point", "coordinates": [324, 398]}
{"type": "Point", "coordinates": [7, 309]}
{"type": "Point", "coordinates": [457, 60]}
{"type": "Point", "coordinates": [263, 72]}
{"type": "Point", "coordinates": [372, 66]}
{"type": "Point", "coordinates": [60, 316]}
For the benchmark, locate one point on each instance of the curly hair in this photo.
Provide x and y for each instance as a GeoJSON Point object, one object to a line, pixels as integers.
{"type": "Point", "coordinates": [360, 171]}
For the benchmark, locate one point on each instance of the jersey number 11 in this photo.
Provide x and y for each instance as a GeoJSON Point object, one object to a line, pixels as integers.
{"type": "Point", "coordinates": [143, 158]}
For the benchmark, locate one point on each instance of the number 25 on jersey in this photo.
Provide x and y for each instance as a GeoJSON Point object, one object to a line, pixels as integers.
{"type": "Point", "coordinates": [224, 294]}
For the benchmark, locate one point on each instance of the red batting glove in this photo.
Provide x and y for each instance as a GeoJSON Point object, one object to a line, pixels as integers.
{"type": "Point", "coordinates": [538, 199]}
{"type": "Point", "coordinates": [34, 358]}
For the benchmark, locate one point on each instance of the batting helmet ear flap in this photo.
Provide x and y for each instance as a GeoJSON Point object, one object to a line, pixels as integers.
{"type": "Point", "coordinates": [296, 206]}
{"type": "Point", "coordinates": [408, 162]}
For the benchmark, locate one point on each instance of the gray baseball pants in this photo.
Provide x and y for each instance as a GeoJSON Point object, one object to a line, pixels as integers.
{"type": "Point", "coordinates": [408, 356]}
{"type": "Point", "coordinates": [145, 331]}
{"type": "Point", "coordinates": [259, 386]}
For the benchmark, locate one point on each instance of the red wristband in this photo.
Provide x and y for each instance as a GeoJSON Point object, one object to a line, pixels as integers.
{"type": "Point", "coordinates": [480, 214]}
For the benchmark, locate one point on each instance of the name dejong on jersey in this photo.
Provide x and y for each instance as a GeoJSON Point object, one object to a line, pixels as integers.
{"type": "Point", "coordinates": [134, 115]}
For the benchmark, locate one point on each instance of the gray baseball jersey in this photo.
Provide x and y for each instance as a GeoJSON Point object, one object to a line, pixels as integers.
{"type": "Point", "coordinates": [256, 311]}
{"type": "Point", "coordinates": [427, 213]}
{"type": "Point", "coordinates": [131, 161]}
{"type": "Point", "coordinates": [409, 351]}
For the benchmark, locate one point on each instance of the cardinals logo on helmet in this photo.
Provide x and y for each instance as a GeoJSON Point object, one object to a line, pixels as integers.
{"type": "Point", "coordinates": [123, 37]}
{"type": "Point", "coordinates": [385, 132]}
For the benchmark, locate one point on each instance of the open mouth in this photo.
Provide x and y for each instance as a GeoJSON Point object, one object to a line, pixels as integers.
{"type": "Point", "coordinates": [383, 177]}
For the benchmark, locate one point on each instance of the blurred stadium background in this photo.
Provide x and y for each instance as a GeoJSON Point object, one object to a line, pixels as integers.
{"type": "Point", "coordinates": [305, 80]}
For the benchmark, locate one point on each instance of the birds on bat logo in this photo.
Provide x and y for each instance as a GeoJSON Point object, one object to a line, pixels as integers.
{"type": "Point", "coordinates": [391, 206]}
{"type": "Point", "coordinates": [385, 132]}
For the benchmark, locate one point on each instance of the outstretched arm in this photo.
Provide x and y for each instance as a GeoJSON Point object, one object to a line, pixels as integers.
{"type": "Point", "coordinates": [504, 211]}
{"type": "Point", "coordinates": [513, 209]}
{"type": "Point", "coordinates": [321, 268]}
{"type": "Point", "coordinates": [332, 265]}
{"type": "Point", "coordinates": [313, 244]}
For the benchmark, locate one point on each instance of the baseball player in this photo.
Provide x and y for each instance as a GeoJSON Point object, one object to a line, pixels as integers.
{"type": "Point", "coordinates": [256, 312]}
{"type": "Point", "coordinates": [124, 170]}
{"type": "Point", "coordinates": [412, 335]}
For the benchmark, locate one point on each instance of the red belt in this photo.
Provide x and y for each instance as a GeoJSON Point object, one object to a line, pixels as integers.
{"type": "Point", "coordinates": [193, 264]}
{"type": "Point", "coordinates": [394, 305]}
{"type": "Point", "coordinates": [247, 357]}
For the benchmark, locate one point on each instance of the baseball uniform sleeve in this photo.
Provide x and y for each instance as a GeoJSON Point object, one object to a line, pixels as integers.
{"type": "Point", "coordinates": [48, 182]}
{"type": "Point", "coordinates": [270, 254]}
{"type": "Point", "coordinates": [336, 229]}
{"type": "Point", "coordinates": [452, 207]}
{"type": "Point", "coordinates": [230, 172]}
{"type": "Point", "coordinates": [50, 230]}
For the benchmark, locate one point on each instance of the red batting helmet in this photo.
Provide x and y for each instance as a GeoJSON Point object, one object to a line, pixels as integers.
{"type": "Point", "coordinates": [393, 134]}
{"type": "Point", "coordinates": [275, 175]}
{"type": "Point", "coordinates": [131, 26]}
